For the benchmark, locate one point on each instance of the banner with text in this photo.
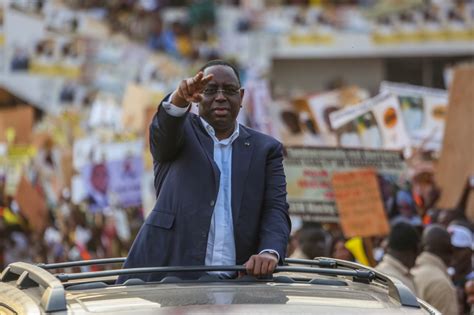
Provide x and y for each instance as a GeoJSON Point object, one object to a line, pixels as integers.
{"type": "Point", "coordinates": [309, 174]}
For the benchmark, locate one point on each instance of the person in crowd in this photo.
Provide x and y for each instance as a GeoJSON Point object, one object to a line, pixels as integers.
{"type": "Point", "coordinates": [340, 251]}
{"type": "Point", "coordinates": [404, 208]}
{"type": "Point", "coordinates": [401, 254]}
{"type": "Point", "coordinates": [469, 289]}
{"type": "Point", "coordinates": [220, 186]}
{"type": "Point", "coordinates": [312, 243]}
{"type": "Point", "coordinates": [461, 262]}
{"type": "Point", "coordinates": [432, 280]}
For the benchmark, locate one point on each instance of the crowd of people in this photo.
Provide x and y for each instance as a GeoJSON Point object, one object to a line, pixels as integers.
{"type": "Point", "coordinates": [432, 255]}
{"type": "Point", "coordinates": [434, 260]}
{"type": "Point", "coordinates": [72, 232]}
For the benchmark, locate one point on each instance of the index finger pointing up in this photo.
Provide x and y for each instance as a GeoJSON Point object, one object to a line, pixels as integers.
{"type": "Point", "coordinates": [206, 79]}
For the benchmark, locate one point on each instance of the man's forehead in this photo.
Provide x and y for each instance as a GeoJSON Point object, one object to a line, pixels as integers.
{"type": "Point", "coordinates": [221, 73]}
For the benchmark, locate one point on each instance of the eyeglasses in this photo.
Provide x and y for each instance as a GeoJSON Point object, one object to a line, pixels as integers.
{"type": "Point", "coordinates": [212, 91]}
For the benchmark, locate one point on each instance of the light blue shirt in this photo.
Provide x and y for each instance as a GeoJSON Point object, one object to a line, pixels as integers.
{"type": "Point", "coordinates": [221, 243]}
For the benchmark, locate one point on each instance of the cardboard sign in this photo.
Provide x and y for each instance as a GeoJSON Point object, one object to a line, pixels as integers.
{"type": "Point", "coordinates": [16, 124]}
{"type": "Point", "coordinates": [359, 203]}
{"type": "Point", "coordinates": [134, 104]}
{"type": "Point", "coordinates": [456, 162]}
{"type": "Point", "coordinates": [32, 205]}
{"type": "Point", "coordinates": [309, 171]}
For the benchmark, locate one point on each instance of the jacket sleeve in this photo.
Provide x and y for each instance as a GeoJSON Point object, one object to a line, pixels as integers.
{"type": "Point", "coordinates": [276, 224]}
{"type": "Point", "coordinates": [166, 135]}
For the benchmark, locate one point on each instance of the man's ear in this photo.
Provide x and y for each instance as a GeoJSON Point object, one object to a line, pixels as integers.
{"type": "Point", "coordinates": [242, 92]}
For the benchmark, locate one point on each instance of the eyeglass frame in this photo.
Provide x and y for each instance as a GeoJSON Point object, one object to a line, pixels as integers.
{"type": "Point", "coordinates": [214, 94]}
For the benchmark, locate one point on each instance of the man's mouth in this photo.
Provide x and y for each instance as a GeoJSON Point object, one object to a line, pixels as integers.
{"type": "Point", "coordinates": [221, 111]}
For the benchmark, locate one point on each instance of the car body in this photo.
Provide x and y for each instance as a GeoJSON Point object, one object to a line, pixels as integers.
{"type": "Point", "coordinates": [354, 289]}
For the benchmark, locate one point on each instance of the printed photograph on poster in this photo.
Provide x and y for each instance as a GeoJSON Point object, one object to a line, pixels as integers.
{"type": "Point", "coordinates": [295, 123]}
{"type": "Point", "coordinates": [71, 57]}
{"type": "Point", "coordinates": [61, 20]}
{"type": "Point", "coordinates": [113, 183]}
{"type": "Point", "coordinates": [28, 6]}
{"type": "Point", "coordinates": [110, 172]}
{"type": "Point", "coordinates": [424, 112]}
{"type": "Point", "coordinates": [72, 93]}
{"type": "Point", "coordinates": [45, 55]}
{"type": "Point", "coordinates": [412, 110]}
{"type": "Point", "coordinates": [374, 123]}
{"type": "Point", "coordinates": [362, 132]}
{"type": "Point", "coordinates": [322, 105]}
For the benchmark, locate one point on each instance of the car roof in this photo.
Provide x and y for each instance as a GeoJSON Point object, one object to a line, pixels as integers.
{"type": "Point", "coordinates": [294, 290]}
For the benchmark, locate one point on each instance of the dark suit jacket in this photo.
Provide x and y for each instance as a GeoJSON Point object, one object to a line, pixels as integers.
{"type": "Point", "coordinates": [187, 182]}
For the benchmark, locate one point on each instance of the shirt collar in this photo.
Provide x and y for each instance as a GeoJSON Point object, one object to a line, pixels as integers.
{"type": "Point", "coordinates": [212, 133]}
{"type": "Point", "coordinates": [395, 263]}
{"type": "Point", "coordinates": [429, 259]}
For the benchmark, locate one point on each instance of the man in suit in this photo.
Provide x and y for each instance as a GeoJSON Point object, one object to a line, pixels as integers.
{"type": "Point", "coordinates": [220, 186]}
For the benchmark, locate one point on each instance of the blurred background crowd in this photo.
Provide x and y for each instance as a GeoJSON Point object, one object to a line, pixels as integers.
{"type": "Point", "coordinates": [344, 85]}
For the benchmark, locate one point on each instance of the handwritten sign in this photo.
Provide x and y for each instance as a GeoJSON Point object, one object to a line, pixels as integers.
{"type": "Point", "coordinates": [309, 170]}
{"type": "Point", "coordinates": [32, 205]}
{"type": "Point", "coordinates": [359, 202]}
{"type": "Point", "coordinates": [16, 124]}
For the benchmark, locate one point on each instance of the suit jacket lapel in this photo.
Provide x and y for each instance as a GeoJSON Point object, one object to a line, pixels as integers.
{"type": "Point", "coordinates": [208, 145]}
{"type": "Point", "coordinates": [242, 149]}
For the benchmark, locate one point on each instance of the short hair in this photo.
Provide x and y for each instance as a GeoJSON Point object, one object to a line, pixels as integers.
{"type": "Point", "coordinates": [403, 237]}
{"type": "Point", "coordinates": [220, 62]}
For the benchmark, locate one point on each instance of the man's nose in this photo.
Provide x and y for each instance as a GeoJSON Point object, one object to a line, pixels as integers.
{"type": "Point", "coordinates": [220, 97]}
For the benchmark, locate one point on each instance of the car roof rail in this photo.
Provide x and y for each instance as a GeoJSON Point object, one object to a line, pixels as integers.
{"type": "Point", "coordinates": [83, 263]}
{"type": "Point", "coordinates": [396, 289]}
{"type": "Point", "coordinates": [28, 275]}
{"type": "Point", "coordinates": [359, 273]}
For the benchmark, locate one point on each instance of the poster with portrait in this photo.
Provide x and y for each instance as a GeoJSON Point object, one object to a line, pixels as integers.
{"type": "Point", "coordinates": [374, 123]}
{"type": "Point", "coordinates": [424, 112]}
{"type": "Point", "coordinates": [113, 183]}
{"type": "Point", "coordinates": [23, 31]}
{"type": "Point", "coordinates": [33, 50]}
{"type": "Point", "coordinates": [323, 104]}
{"type": "Point", "coordinates": [110, 173]}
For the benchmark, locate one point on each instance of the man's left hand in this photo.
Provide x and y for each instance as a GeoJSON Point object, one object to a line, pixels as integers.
{"type": "Point", "coordinates": [261, 265]}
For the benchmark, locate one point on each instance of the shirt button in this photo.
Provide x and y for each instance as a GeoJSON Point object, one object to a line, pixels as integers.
{"type": "Point", "coordinates": [212, 203]}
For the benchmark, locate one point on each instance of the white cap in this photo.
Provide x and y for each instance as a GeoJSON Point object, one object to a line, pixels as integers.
{"type": "Point", "coordinates": [296, 223]}
{"type": "Point", "coordinates": [461, 236]}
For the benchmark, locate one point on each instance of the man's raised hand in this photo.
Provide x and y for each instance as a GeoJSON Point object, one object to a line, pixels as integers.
{"type": "Point", "coordinates": [190, 89]}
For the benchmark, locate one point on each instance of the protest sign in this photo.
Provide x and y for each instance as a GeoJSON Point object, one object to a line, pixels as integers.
{"type": "Point", "coordinates": [16, 123]}
{"type": "Point", "coordinates": [116, 183]}
{"type": "Point", "coordinates": [109, 173]}
{"type": "Point", "coordinates": [456, 162]}
{"type": "Point", "coordinates": [424, 112]}
{"type": "Point", "coordinates": [32, 205]}
{"type": "Point", "coordinates": [309, 172]}
{"type": "Point", "coordinates": [135, 101]}
{"type": "Point", "coordinates": [359, 203]}
{"type": "Point", "coordinates": [373, 123]}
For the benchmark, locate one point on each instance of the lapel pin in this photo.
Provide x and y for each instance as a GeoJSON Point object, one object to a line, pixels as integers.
{"type": "Point", "coordinates": [247, 144]}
